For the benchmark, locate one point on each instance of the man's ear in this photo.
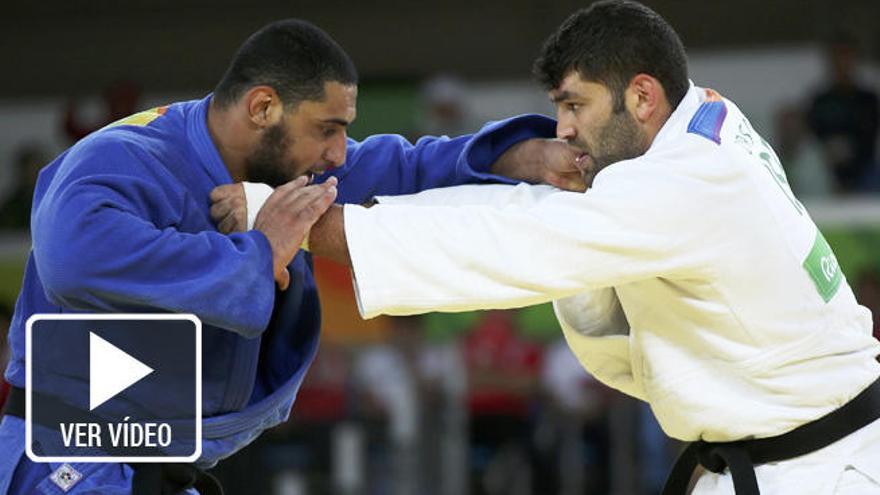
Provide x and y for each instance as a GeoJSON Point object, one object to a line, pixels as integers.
{"type": "Point", "coordinates": [645, 97]}
{"type": "Point", "coordinates": [264, 106]}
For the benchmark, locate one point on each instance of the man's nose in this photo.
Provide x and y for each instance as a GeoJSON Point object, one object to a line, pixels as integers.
{"type": "Point", "coordinates": [335, 154]}
{"type": "Point", "coordinates": [565, 130]}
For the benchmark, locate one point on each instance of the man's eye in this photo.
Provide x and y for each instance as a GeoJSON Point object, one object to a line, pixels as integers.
{"type": "Point", "coordinates": [329, 132]}
{"type": "Point", "coordinates": [573, 107]}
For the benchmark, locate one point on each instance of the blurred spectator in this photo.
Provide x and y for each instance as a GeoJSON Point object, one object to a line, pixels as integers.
{"type": "Point", "coordinates": [444, 415]}
{"type": "Point", "coordinates": [503, 372]}
{"type": "Point", "coordinates": [16, 211]}
{"type": "Point", "coordinates": [801, 154]}
{"type": "Point", "coordinates": [322, 409]}
{"type": "Point", "coordinates": [844, 116]}
{"type": "Point", "coordinates": [445, 107]}
{"type": "Point", "coordinates": [867, 291]}
{"type": "Point", "coordinates": [120, 100]}
{"type": "Point", "coordinates": [387, 374]}
{"type": "Point", "coordinates": [572, 437]}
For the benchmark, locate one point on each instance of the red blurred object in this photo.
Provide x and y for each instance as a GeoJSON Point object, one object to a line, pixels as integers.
{"type": "Point", "coordinates": [121, 99]}
{"type": "Point", "coordinates": [502, 367]}
{"type": "Point", "coordinates": [4, 392]}
{"type": "Point", "coordinates": [322, 397]}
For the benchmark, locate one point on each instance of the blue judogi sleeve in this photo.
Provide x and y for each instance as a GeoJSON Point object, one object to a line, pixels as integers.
{"type": "Point", "coordinates": [108, 237]}
{"type": "Point", "coordinates": [389, 164]}
{"type": "Point", "coordinates": [107, 232]}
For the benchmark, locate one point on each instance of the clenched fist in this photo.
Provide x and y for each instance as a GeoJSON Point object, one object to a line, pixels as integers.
{"type": "Point", "coordinates": [548, 161]}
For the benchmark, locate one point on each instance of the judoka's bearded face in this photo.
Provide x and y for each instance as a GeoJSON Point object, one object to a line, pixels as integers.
{"type": "Point", "coordinates": [309, 139]}
{"type": "Point", "coordinates": [601, 131]}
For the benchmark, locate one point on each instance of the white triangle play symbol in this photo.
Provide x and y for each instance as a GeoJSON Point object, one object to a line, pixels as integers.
{"type": "Point", "coordinates": [111, 370]}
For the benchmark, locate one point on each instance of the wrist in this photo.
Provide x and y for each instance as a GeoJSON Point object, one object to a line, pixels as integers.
{"type": "Point", "coordinates": [520, 161]}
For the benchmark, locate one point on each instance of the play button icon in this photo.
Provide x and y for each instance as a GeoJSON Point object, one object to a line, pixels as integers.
{"type": "Point", "coordinates": [111, 370]}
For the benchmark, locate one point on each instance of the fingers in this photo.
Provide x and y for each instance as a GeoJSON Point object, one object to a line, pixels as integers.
{"type": "Point", "coordinates": [229, 208]}
{"type": "Point", "coordinates": [224, 208]}
{"type": "Point", "coordinates": [576, 182]}
{"type": "Point", "coordinates": [325, 202]}
{"type": "Point", "coordinates": [219, 212]}
{"type": "Point", "coordinates": [292, 188]}
{"type": "Point", "coordinates": [296, 194]}
{"type": "Point", "coordinates": [561, 166]}
{"type": "Point", "coordinates": [297, 183]}
{"type": "Point", "coordinates": [563, 158]}
{"type": "Point", "coordinates": [230, 224]}
{"type": "Point", "coordinates": [226, 191]}
{"type": "Point", "coordinates": [305, 204]}
{"type": "Point", "coordinates": [230, 215]}
{"type": "Point", "coordinates": [282, 194]}
{"type": "Point", "coordinates": [569, 181]}
{"type": "Point", "coordinates": [283, 279]}
{"type": "Point", "coordinates": [314, 201]}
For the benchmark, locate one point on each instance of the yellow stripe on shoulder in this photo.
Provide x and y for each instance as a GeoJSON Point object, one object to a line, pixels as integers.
{"type": "Point", "coordinates": [141, 118]}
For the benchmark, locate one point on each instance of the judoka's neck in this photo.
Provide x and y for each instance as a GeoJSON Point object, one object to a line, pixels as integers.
{"type": "Point", "coordinates": [231, 137]}
{"type": "Point", "coordinates": [656, 121]}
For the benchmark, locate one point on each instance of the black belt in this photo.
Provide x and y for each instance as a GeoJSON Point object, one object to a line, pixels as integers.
{"type": "Point", "coordinates": [172, 479]}
{"type": "Point", "coordinates": [149, 478]}
{"type": "Point", "coordinates": [15, 403]}
{"type": "Point", "coordinates": [741, 456]}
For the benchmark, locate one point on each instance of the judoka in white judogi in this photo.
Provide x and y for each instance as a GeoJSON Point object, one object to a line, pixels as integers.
{"type": "Point", "coordinates": [689, 277]}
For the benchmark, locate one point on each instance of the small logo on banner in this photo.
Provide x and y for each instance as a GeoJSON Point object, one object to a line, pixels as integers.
{"type": "Point", "coordinates": [65, 477]}
{"type": "Point", "coordinates": [112, 388]}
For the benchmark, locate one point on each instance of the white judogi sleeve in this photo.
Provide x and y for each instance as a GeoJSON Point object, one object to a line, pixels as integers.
{"type": "Point", "coordinates": [593, 322]}
{"type": "Point", "coordinates": [472, 194]}
{"type": "Point", "coordinates": [532, 247]}
{"type": "Point", "coordinates": [596, 330]}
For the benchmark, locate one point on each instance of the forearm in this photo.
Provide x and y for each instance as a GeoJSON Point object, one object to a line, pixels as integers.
{"type": "Point", "coordinates": [327, 237]}
{"type": "Point", "coordinates": [387, 164]}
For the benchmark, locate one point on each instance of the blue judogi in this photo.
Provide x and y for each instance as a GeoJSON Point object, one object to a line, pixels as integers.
{"type": "Point", "coordinates": [121, 223]}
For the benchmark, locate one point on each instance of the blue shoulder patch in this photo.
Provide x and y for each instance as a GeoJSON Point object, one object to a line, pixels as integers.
{"type": "Point", "coordinates": [708, 120]}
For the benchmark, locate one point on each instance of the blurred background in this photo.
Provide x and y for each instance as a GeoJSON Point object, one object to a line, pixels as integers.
{"type": "Point", "coordinates": [479, 403]}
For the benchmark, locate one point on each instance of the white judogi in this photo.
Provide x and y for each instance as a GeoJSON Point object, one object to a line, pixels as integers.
{"type": "Point", "coordinates": [689, 277]}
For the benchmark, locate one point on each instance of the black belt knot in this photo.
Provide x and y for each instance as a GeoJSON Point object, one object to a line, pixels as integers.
{"type": "Point", "coordinates": [717, 457]}
{"type": "Point", "coordinates": [741, 456]}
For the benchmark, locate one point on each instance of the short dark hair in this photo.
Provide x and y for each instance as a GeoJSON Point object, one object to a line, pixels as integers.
{"type": "Point", "coordinates": [612, 41]}
{"type": "Point", "coordinates": [293, 57]}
